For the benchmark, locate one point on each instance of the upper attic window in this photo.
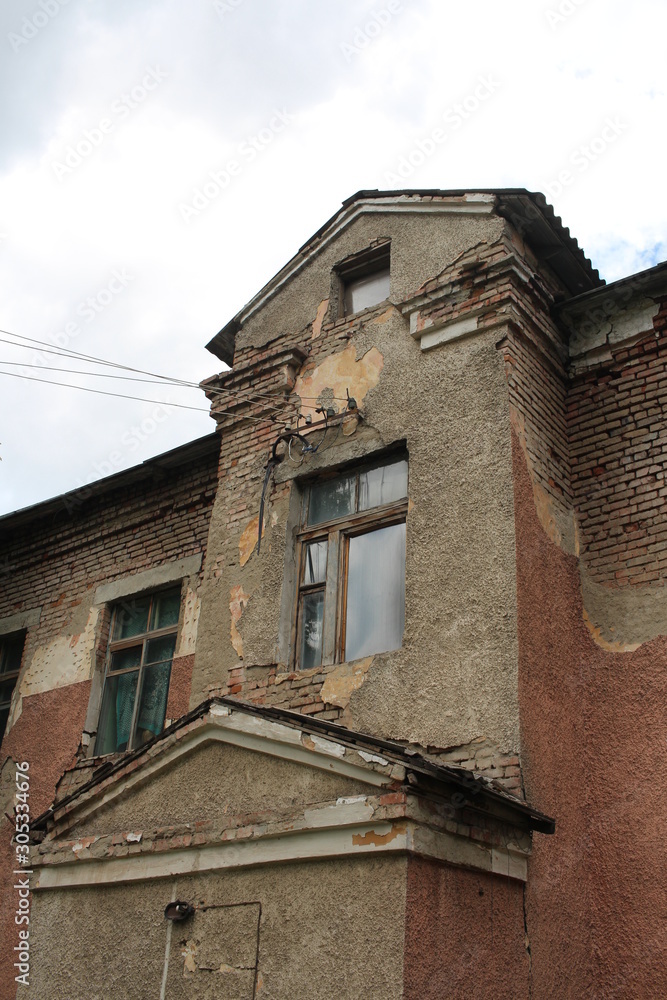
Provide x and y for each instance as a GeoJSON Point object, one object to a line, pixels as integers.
{"type": "Point", "coordinates": [364, 279]}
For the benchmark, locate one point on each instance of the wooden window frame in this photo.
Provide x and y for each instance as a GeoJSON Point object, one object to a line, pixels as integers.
{"type": "Point", "coordinates": [143, 638]}
{"type": "Point", "coordinates": [374, 260]}
{"type": "Point", "coordinates": [337, 532]}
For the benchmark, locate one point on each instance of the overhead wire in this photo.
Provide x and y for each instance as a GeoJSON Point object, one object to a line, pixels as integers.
{"type": "Point", "coordinates": [48, 348]}
{"type": "Point", "coordinates": [102, 392]}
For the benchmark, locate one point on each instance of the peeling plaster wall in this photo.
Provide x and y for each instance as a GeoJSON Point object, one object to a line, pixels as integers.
{"type": "Point", "coordinates": [422, 246]}
{"type": "Point", "coordinates": [311, 915]}
{"type": "Point", "coordinates": [455, 678]}
{"type": "Point", "coordinates": [592, 723]}
{"type": "Point", "coordinates": [57, 562]}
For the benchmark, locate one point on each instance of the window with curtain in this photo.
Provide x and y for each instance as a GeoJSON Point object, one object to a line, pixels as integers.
{"type": "Point", "coordinates": [142, 640]}
{"type": "Point", "coordinates": [351, 598]}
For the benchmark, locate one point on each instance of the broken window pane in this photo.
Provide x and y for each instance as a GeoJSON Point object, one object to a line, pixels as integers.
{"type": "Point", "coordinates": [375, 592]}
{"type": "Point", "coordinates": [138, 670]}
{"type": "Point", "coordinates": [315, 568]}
{"type": "Point", "coordinates": [332, 498]}
{"type": "Point", "coordinates": [160, 649]}
{"type": "Point", "coordinates": [383, 485]}
{"type": "Point", "coordinates": [312, 620]}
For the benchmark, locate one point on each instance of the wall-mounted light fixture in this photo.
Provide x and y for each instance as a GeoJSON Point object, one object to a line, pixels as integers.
{"type": "Point", "coordinates": [178, 910]}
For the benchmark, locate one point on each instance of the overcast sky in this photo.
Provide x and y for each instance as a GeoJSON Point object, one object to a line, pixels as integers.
{"type": "Point", "coordinates": [115, 112]}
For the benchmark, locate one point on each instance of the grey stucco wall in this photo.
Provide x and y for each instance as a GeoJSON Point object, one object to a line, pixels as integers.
{"type": "Point", "coordinates": [327, 929]}
{"type": "Point", "coordinates": [455, 678]}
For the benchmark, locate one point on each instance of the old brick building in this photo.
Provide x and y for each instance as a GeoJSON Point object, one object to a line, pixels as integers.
{"type": "Point", "coordinates": [341, 742]}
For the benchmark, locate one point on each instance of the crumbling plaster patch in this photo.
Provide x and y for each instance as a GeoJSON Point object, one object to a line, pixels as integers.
{"type": "Point", "coordinates": [338, 373]}
{"type": "Point", "coordinates": [237, 603]}
{"type": "Point", "coordinates": [620, 619]}
{"type": "Point", "coordinates": [343, 680]}
{"type": "Point", "coordinates": [188, 634]}
{"type": "Point", "coordinates": [248, 540]}
{"type": "Point", "coordinates": [319, 318]}
{"type": "Point", "coordinates": [597, 334]}
{"type": "Point", "coordinates": [65, 660]}
{"type": "Point", "coordinates": [558, 522]}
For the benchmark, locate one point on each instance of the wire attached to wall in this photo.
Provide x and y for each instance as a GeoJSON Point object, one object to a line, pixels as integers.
{"type": "Point", "coordinates": [289, 436]}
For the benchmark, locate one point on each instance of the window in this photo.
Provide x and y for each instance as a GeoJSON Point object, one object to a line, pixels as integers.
{"type": "Point", "coordinates": [142, 639]}
{"type": "Point", "coordinates": [365, 279]}
{"type": "Point", "coordinates": [11, 652]}
{"type": "Point", "coordinates": [351, 599]}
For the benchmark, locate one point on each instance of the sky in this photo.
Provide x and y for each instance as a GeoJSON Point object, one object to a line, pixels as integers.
{"type": "Point", "coordinates": [160, 161]}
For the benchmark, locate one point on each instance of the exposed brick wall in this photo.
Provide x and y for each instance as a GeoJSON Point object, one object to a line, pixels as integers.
{"type": "Point", "coordinates": [538, 393]}
{"type": "Point", "coordinates": [297, 690]}
{"type": "Point", "coordinates": [618, 441]}
{"type": "Point", "coordinates": [58, 560]}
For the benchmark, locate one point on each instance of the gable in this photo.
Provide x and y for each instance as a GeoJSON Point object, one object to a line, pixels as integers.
{"type": "Point", "coordinates": [422, 244]}
{"type": "Point", "coordinates": [217, 781]}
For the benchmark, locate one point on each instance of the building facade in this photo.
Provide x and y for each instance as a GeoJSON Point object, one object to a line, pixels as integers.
{"type": "Point", "coordinates": [361, 694]}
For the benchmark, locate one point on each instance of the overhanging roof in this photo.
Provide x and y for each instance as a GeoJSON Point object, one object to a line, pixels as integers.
{"type": "Point", "coordinates": [192, 451]}
{"type": "Point", "coordinates": [425, 777]}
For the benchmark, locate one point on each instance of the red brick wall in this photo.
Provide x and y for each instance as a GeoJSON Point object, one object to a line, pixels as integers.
{"type": "Point", "coordinates": [592, 722]}
{"type": "Point", "coordinates": [618, 443]}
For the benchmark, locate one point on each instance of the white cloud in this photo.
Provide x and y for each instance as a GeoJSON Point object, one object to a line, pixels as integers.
{"type": "Point", "coordinates": [353, 121]}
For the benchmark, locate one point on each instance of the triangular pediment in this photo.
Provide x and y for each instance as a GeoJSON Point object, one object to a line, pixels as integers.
{"type": "Point", "coordinates": [227, 769]}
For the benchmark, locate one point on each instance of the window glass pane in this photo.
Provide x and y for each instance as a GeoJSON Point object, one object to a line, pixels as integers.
{"type": "Point", "coordinates": [362, 293]}
{"type": "Point", "coordinates": [332, 498]}
{"type": "Point", "coordinates": [312, 619]}
{"type": "Point", "coordinates": [166, 609]}
{"type": "Point", "coordinates": [153, 703]}
{"type": "Point", "coordinates": [123, 659]}
{"type": "Point", "coordinates": [4, 715]}
{"type": "Point", "coordinates": [383, 485]}
{"type": "Point", "coordinates": [375, 592]}
{"type": "Point", "coordinates": [315, 569]}
{"type": "Point", "coordinates": [160, 649]}
{"type": "Point", "coordinates": [116, 715]}
{"type": "Point", "coordinates": [11, 651]}
{"type": "Point", "coordinates": [131, 617]}
{"type": "Point", "coordinates": [6, 689]}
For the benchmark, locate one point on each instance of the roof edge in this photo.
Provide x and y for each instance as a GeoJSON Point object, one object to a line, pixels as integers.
{"type": "Point", "coordinates": [528, 211]}
{"type": "Point", "coordinates": [175, 457]}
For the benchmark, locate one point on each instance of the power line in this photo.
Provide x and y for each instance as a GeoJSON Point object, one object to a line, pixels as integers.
{"type": "Point", "coordinates": [79, 371]}
{"type": "Point", "coordinates": [101, 392]}
{"type": "Point", "coordinates": [67, 352]}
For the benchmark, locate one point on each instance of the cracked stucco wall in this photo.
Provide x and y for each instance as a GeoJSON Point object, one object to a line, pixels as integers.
{"type": "Point", "coordinates": [455, 678]}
